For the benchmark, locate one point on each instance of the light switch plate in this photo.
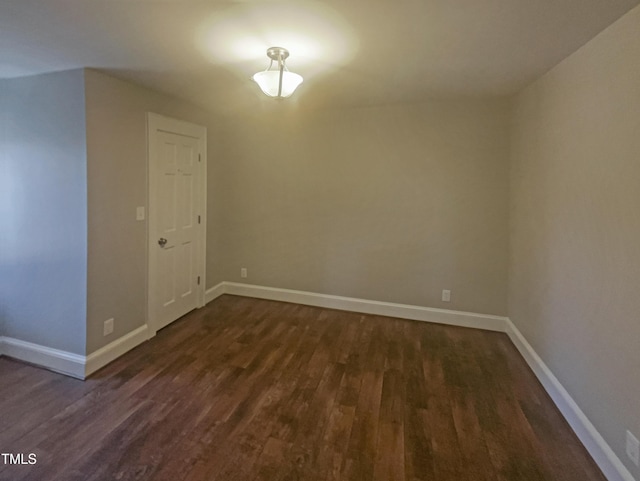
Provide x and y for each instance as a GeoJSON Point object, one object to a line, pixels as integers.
{"type": "Point", "coordinates": [140, 213]}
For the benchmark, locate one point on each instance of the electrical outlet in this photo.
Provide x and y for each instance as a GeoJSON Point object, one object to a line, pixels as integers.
{"type": "Point", "coordinates": [446, 295]}
{"type": "Point", "coordinates": [243, 272]}
{"type": "Point", "coordinates": [108, 327]}
{"type": "Point", "coordinates": [633, 448]}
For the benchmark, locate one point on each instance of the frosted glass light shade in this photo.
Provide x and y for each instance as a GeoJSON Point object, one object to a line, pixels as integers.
{"type": "Point", "coordinates": [268, 81]}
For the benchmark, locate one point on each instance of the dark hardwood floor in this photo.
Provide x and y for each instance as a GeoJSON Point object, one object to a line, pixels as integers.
{"type": "Point", "coordinates": [247, 389]}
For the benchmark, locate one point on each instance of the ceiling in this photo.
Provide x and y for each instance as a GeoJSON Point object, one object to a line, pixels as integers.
{"type": "Point", "coordinates": [350, 52]}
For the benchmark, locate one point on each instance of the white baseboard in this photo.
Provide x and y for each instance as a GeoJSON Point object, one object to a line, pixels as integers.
{"type": "Point", "coordinates": [403, 311]}
{"type": "Point", "coordinates": [600, 451]}
{"type": "Point", "coordinates": [74, 365]}
{"type": "Point", "coordinates": [214, 292]}
{"type": "Point", "coordinates": [115, 349]}
{"type": "Point", "coordinates": [54, 359]}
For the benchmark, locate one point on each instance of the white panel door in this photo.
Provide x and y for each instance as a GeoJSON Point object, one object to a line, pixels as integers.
{"type": "Point", "coordinates": [175, 225]}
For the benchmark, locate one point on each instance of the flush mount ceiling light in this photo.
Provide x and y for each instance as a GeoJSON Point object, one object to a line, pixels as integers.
{"type": "Point", "coordinates": [277, 81]}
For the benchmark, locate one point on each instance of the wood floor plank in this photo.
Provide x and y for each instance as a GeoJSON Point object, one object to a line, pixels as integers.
{"type": "Point", "coordinates": [361, 452]}
{"type": "Point", "coordinates": [389, 463]}
{"type": "Point", "coordinates": [255, 390]}
{"type": "Point", "coordinates": [418, 450]}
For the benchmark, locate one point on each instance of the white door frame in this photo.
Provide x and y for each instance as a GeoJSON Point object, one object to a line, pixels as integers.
{"type": "Point", "coordinates": [158, 123]}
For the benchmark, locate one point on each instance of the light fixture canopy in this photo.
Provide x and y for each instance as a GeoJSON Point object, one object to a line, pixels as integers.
{"type": "Point", "coordinates": [277, 82]}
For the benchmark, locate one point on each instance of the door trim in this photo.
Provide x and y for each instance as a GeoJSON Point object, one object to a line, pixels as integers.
{"type": "Point", "coordinates": [159, 123]}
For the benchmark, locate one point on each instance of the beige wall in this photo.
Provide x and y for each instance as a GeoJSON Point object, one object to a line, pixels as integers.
{"type": "Point", "coordinates": [390, 203]}
{"type": "Point", "coordinates": [43, 208]}
{"type": "Point", "coordinates": [575, 227]}
{"type": "Point", "coordinates": [117, 184]}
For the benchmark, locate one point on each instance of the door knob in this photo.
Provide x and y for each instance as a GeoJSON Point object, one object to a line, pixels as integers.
{"type": "Point", "coordinates": [162, 241]}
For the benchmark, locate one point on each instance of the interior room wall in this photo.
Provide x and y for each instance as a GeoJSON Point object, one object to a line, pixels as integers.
{"type": "Point", "coordinates": [117, 185]}
{"type": "Point", "coordinates": [390, 203]}
{"type": "Point", "coordinates": [43, 192]}
{"type": "Point", "coordinates": [575, 227]}
{"type": "Point", "coordinates": [4, 174]}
